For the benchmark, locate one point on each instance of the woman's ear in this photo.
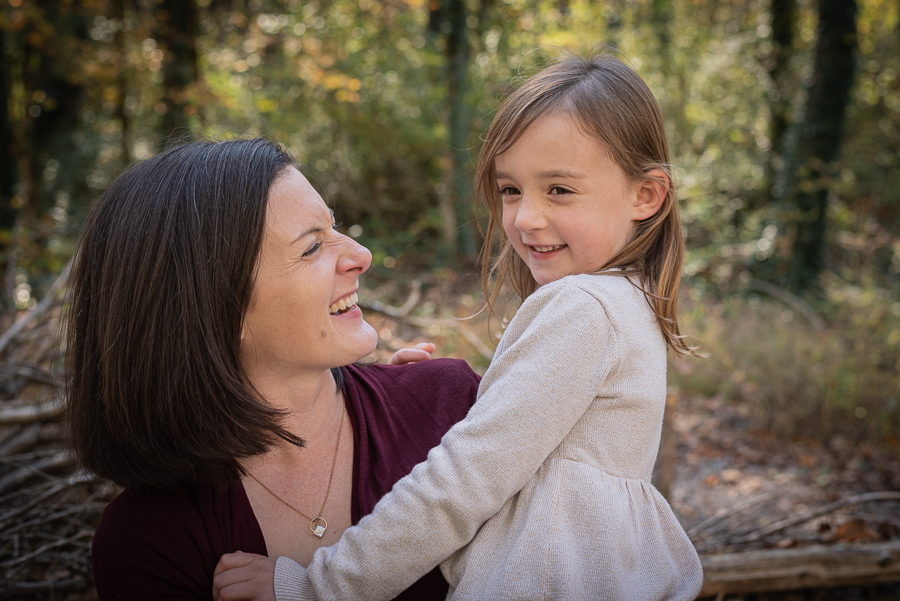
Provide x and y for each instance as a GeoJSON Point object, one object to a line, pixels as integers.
{"type": "Point", "coordinates": [651, 193]}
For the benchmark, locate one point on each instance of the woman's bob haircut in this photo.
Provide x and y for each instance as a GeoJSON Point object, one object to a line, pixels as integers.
{"type": "Point", "coordinates": [161, 281]}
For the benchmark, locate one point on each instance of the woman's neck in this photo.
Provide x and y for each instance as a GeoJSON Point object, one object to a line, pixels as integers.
{"type": "Point", "coordinates": [312, 404]}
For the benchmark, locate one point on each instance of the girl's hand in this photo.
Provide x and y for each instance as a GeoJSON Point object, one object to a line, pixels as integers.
{"type": "Point", "coordinates": [420, 352]}
{"type": "Point", "coordinates": [244, 577]}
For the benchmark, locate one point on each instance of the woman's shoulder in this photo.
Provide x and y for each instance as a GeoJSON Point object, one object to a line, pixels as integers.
{"type": "Point", "coordinates": [421, 399]}
{"type": "Point", "coordinates": [439, 379]}
{"type": "Point", "coordinates": [166, 543]}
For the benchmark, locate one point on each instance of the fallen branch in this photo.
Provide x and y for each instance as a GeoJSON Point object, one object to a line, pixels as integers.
{"type": "Point", "coordinates": [791, 300]}
{"type": "Point", "coordinates": [21, 440]}
{"type": "Point", "coordinates": [402, 314]}
{"type": "Point", "coordinates": [455, 324]}
{"type": "Point", "coordinates": [724, 513]}
{"type": "Point", "coordinates": [31, 413]}
{"type": "Point", "coordinates": [814, 513]}
{"type": "Point", "coordinates": [32, 503]}
{"type": "Point", "coordinates": [46, 302]}
{"type": "Point", "coordinates": [819, 566]}
{"type": "Point", "coordinates": [37, 468]}
{"type": "Point", "coordinates": [403, 310]}
{"type": "Point", "coordinates": [47, 547]}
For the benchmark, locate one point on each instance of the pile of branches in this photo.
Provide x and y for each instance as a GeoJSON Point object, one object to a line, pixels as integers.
{"type": "Point", "coordinates": [48, 508]}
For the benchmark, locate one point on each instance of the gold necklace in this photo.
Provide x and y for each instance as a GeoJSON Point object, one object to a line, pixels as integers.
{"type": "Point", "coordinates": [316, 524]}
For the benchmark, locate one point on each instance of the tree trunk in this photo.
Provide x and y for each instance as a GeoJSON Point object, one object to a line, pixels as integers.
{"type": "Point", "coordinates": [819, 138]}
{"type": "Point", "coordinates": [450, 18]}
{"type": "Point", "coordinates": [8, 174]}
{"type": "Point", "coordinates": [661, 14]}
{"type": "Point", "coordinates": [783, 14]}
{"type": "Point", "coordinates": [122, 112]}
{"type": "Point", "coordinates": [177, 37]}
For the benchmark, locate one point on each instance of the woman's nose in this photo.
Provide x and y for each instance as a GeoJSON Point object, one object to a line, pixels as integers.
{"type": "Point", "coordinates": [529, 216]}
{"type": "Point", "coordinates": [356, 257]}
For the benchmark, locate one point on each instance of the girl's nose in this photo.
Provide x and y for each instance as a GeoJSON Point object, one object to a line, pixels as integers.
{"type": "Point", "coordinates": [355, 257]}
{"type": "Point", "coordinates": [529, 216]}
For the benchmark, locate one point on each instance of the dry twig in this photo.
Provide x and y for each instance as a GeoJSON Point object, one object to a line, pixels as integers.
{"type": "Point", "coordinates": [814, 513]}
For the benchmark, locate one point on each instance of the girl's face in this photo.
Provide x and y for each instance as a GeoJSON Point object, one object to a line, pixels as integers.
{"type": "Point", "coordinates": [302, 314]}
{"type": "Point", "coordinates": [568, 208]}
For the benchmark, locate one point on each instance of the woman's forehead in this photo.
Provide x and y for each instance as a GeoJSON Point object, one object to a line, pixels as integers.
{"type": "Point", "coordinates": [294, 206]}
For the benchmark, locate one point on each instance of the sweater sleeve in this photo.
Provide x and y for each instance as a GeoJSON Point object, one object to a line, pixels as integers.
{"type": "Point", "coordinates": [547, 370]}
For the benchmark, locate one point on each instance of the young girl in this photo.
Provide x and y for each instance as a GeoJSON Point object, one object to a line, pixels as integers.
{"type": "Point", "coordinates": [543, 491]}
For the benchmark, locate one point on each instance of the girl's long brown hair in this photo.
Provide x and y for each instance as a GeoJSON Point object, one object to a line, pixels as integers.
{"type": "Point", "coordinates": [614, 106]}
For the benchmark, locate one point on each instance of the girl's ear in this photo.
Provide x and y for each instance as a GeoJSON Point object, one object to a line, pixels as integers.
{"type": "Point", "coordinates": [650, 194]}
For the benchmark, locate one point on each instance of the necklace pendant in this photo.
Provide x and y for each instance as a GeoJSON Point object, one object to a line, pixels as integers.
{"type": "Point", "coordinates": [318, 526]}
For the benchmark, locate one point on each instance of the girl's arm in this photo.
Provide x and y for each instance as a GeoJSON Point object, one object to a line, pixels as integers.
{"type": "Point", "coordinates": [547, 370]}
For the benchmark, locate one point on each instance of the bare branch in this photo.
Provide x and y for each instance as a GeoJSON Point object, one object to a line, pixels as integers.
{"type": "Point", "coordinates": [31, 413]}
{"type": "Point", "coordinates": [37, 468]}
{"type": "Point", "coordinates": [814, 513]}
{"type": "Point", "coordinates": [47, 547]}
{"type": "Point", "coordinates": [411, 301]}
{"type": "Point", "coordinates": [46, 302]}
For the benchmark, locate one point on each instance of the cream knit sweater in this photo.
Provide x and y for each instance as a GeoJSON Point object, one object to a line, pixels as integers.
{"type": "Point", "coordinates": [543, 491]}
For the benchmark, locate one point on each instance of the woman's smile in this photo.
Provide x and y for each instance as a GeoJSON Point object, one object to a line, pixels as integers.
{"type": "Point", "coordinates": [345, 305]}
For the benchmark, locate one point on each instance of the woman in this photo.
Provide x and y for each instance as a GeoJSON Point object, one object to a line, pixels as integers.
{"type": "Point", "coordinates": [212, 334]}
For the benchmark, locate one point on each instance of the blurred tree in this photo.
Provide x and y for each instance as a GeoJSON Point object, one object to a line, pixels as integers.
{"type": "Point", "coordinates": [818, 139]}
{"type": "Point", "coordinates": [177, 38]}
{"type": "Point", "coordinates": [451, 19]}
{"type": "Point", "coordinates": [8, 171]}
{"type": "Point", "coordinates": [783, 23]}
{"type": "Point", "coordinates": [121, 112]}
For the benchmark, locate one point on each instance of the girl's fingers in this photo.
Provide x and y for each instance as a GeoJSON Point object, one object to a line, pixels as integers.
{"type": "Point", "coordinates": [236, 569]}
{"type": "Point", "coordinates": [409, 355]}
{"type": "Point", "coordinates": [233, 560]}
{"type": "Point", "coordinates": [428, 347]}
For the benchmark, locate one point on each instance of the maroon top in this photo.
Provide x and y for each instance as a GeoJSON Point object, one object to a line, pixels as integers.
{"type": "Point", "coordinates": [166, 545]}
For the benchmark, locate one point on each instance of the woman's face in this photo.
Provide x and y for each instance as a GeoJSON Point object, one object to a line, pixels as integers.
{"type": "Point", "coordinates": [306, 271]}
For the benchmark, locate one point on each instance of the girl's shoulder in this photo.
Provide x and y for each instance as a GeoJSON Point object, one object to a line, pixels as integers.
{"type": "Point", "coordinates": [605, 289]}
{"type": "Point", "coordinates": [604, 301]}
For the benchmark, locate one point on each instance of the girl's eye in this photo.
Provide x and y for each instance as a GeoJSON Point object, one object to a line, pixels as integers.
{"type": "Point", "coordinates": [508, 191]}
{"type": "Point", "coordinates": [312, 250]}
{"type": "Point", "coordinates": [556, 190]}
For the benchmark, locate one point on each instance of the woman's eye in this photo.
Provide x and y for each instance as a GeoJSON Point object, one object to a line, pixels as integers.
{"type": "Point", "coordinates": [312, 250]}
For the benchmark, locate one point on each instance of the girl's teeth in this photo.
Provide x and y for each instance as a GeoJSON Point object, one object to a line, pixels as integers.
{"type": "Point", "coordinates": [344, 303]}
{"type": "Point", "coordinates": [544, 249]}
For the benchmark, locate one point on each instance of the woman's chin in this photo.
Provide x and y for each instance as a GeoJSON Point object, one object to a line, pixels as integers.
{"type": "Point", "coordinates": [368, 341]}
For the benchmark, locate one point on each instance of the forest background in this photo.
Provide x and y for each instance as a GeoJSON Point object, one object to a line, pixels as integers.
{"type": "Point", "coordinates": [783, 116]}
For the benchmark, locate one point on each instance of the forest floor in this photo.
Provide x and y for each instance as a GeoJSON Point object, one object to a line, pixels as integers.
{"type": "Point", "coordinates": [723, 467]}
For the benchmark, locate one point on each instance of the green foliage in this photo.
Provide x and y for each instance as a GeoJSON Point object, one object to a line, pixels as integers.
{"type": "Point", "coordinates": [358, 90]}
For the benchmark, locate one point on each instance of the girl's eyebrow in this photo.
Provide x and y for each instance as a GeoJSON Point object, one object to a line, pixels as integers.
{"type": "Point", "coordinates": [565, 173]}
{"type": "Point", "coordinates": [553, 174]}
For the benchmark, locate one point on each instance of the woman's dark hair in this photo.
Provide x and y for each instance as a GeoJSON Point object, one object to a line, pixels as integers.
{"type": "Point", "coordinates": [161, 280]}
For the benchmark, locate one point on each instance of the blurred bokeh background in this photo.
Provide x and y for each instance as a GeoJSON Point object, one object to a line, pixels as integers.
{"type": "Point", "coordinates": [783, 117]}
